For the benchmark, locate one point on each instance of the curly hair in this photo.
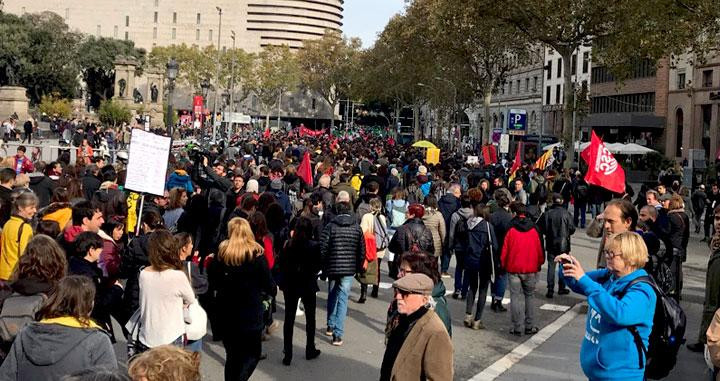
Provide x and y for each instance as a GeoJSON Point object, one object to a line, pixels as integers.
{"type": "Point", "coordinates": [43, 260]}
{"type": "Point", "coordinates": [166, 363]}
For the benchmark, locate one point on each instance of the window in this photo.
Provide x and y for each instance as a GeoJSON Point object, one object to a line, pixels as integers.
{"type": "Point", "coordinates": [586, 62]}
{"type": "Point", "coordinates": [127, 36]}
{"type": "Point", "coordinates": [155, 33]}
{"type": "Point", "coordinates": [518, 87]}
{"type": "Point", "coordinates": [115, 32]}
{"type": "Point", "coordinates": [198, 19]}
{"type": "Point", "coordinates": [642, 102]}
{"type": "Point", "coordinates": [678, 132]}
{"type": "Point", "coordinates": [559, 68]}
{"type": "Point", "coordinates": [313, 103]}
{"type": "Point", "coordinates": [509, 87]}
{"type": "Point", "coordinates": [549, 69]}
{"type": "Point", "coordinates": [681, 81]}
{"type": "Point", "coordinates": [98, 31]}
{"type": "Point", "coordinates": [197, 34]}
{"type": "Point", "coordinates": [573, 64]}
{"type": "Point", "coordinates": [210, 35]}
{"type": "Point", "coordinates": [535, 88]}
{"type": "Point", "coordinates": [173, 33]}
{"type": "Point", "coordinates": [707, 78]}
{"type": "Point", "coordinates": [157, 3]}
{"type": "Point", "coordinates": [558, 92]}
{"type": "Point", "coordinates": [174, 17]}
{"type": "Point", "coordinates": [527, 84]}
{"type": "Point", "coordinates": [127, 20]}
{"type": "Point", "coordinates": [67, 14]}
{"type": "Point", "coordinates": [22, 10]}
{"type": "Point", "coordinates": [155, 17]}
{"type": "Point", "coordinates": [547, 95]}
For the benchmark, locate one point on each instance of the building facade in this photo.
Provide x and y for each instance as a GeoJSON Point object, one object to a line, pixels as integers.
{"type": "Point", "coordinates": [634, 111]}
{"type": "Point", "coordinates": [256, 23]}
{"type": "Point", "coordinates": [693, 112]}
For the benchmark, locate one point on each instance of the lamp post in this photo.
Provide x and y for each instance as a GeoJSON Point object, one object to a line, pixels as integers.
{"type": "Point", "coordinates": [205, 86]}
{"type": "Point", "coordinates": [226, 102]}
{"type": "Point", "coordinates": [172, 71]}
{"type": "Point", "coordinates": [217, 73]}
{"type": "Point", "coordinates": [232, 74]}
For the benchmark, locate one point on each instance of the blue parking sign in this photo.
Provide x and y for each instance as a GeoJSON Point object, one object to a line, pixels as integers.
{"type": "Point", "coordinates": [517, 122]}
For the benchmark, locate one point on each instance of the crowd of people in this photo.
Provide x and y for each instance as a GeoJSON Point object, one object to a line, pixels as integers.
{"type": "Point", "coordinates": [238, 223]}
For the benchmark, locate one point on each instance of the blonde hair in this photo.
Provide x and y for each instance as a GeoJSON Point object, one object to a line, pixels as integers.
{"type": "Point", "coordinates": [631, 247]}
{"type": "Point", "coordinates": [240, 247]}
{"type": "Point", "coordinates": [165, 363]}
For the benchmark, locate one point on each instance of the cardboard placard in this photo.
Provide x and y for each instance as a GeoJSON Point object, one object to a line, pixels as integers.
{"type": "Point", "coordinates": [147, 162]}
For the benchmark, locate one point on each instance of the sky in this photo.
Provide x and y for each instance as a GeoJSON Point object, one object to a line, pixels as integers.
{"type": "Point", "coordinates": [367, 18]}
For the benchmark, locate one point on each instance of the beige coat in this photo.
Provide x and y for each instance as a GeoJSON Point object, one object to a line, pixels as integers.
{"type": "Point", "coordinates": [427, 352]}
{"type": "Point", "coordinates": [435, 222]}
{"type": "Point", "coordinates": [595, 230]}
{"type": "Point", "coordinates": [713, 341]}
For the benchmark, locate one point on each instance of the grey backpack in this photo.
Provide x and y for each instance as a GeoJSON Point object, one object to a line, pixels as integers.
{"type": "Point", "coordinates": [18, 311]}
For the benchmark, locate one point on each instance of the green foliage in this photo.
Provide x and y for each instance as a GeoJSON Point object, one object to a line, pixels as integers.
{"type": "Point", "coordinates": [97, 63]}
{"type": "Point", "coordinates": [53, 105]}
{"type": "Point", "coordinates": [114, 113]}
{"type": "Point", "coordinates": [327, 65]}
{"type": "Point", "coordinates": [276, 71]}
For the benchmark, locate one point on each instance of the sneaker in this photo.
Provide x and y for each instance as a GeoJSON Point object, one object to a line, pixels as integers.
{"type": "Point", "coordinates": [531, 331]}
{"type": "Point", "coordinates": [469, 320]}
{"type": "Point", "coordinates": [563, 291]}
{"type": "Point", "coordinates": [500, 307]}
{"type": "Point", "coordinates": [328, 331]}
{"type": "Point", "coordinates": [478, 325]}
{"type": "Point", "coordinates": [337, 341]}
{"type": "Point", "coordinates": [515, 332]}
{"type": "Point", "coordinates": [445, 275]}
{"type": "Point", "coordinates": [312, 354]}
{"type": "Point", "coordinates": [456, 295]}
{"type": "Point", "coordinates": [300, 311]}
{"type": "Point", "coordinates": [549, 294]}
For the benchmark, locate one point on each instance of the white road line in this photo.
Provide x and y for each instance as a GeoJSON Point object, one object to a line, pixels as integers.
{"type": "Point", "coordinates": [554, 307]}
{"type": "Point", "coordinates": [505, 363]}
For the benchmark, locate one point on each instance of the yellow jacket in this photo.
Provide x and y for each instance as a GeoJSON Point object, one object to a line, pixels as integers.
{"type": "Point", "coordinates": [355, 182]}
{"type": "Point", "coordinates": [13, 245]}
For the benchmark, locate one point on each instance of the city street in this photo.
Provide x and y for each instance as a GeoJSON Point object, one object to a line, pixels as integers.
{"type": "Point", "coordinates": [478, 354]}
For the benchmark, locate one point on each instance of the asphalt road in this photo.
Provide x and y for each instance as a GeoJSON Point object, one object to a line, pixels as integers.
{"type": "Point", "coordinates": [361, 355]}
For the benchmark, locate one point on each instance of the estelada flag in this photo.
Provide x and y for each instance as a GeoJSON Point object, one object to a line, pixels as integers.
{"type": "Point", "coordinates": [603, 170]}
{"type": "Point", "coordinates": [545, 160]}
{"type": "Point", "coordinates": [266, 134]}
{"type": "Point", "coordinates": [489, 154]}
{"type": "Point", "coordinates": [304, 171]}
{"type": "Point", "coordinates": [518, 161]}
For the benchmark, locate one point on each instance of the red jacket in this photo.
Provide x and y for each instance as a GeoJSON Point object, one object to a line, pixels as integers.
{"type": "Point", "coordinates": [522, 251]}
{"type": "Point", "coordinates": [27, 165]}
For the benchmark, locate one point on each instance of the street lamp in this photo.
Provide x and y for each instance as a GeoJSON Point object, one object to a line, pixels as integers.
{"type": "Point", "coordinates": [232, 70]}
{"type": "Point", "coordinates": [172, 72]}
{"type": "Point", "coordinates": [205, 86]}
{"type": "Point", "coordinates": [217, 72]}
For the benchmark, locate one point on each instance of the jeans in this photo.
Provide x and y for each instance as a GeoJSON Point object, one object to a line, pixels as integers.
{"type": "Point", "coordinates": [522, 289]}
{"type": "Point", "coordinates": [242, 354]}
{"type": "Point", "coordinates": [595, 209]}
{"type": "Point", "coordinates": [338, 293]}
{"type": "Point", "coordinates": [498, 287]}
{"type": "Point", "coordinates": [291, 302]}
{"type": "Point", "coordinates": [709, 228]}
{"type": "Point", "coordinates": [462, 277]}
{"type": "Point", "coordinates": [479, 282]}
{"type": "Point", "coordinates": [580, 214]}
{"type": "Point", "coordinates": [551, 275]}
{"type": "Point", "coordinates": [445, 260]}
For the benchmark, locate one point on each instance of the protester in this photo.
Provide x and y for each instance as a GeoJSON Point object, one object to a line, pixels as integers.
{"type": "Point", "coordinates": [165, 363]}
{"type": "Point", "coordinates": [711, 302]}
{"type": "Point", "coordinates": [64, 341]}
{"type": "Point", "coordinates": [608, 349]}
{"type": "Point", "coordinates": [17, 232]}
{"type": "Point", "coordinates": [557, 226]}
{"type": "Point", "coordinates": [481, 261]}
{"type": "Point", "coordinates": [459, 243]}
{"type": "Point", "coordinates": [619, 216]}
{"type": "Point", "coordinates": [413, 235]}
{"type": "Point", "coordinates": [435, 222]}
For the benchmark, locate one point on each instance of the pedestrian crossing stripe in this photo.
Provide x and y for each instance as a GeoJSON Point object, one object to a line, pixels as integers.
{"type": "Point", "coordinates": [554, 307]}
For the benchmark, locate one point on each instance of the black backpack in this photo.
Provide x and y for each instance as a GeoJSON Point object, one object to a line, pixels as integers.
{"type": "Point", "coordinates": [668, 331]}
{"type": "Point", "coordinates": [461, 235]}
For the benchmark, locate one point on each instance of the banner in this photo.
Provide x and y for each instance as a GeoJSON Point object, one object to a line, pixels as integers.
{"type": "Point", "coordinates": [518, 161]}
{"type": "Point", "coordinates": [198, 107]}
{"type": "Point", "coordinates": [304, 171]}
{"type": "Point", "coordinates": [432, 156]}
{"type": "Point", "coordinates": [603, 170]}
{"type": "Point", "coordinates": [304, 131]}
{"type": "Point", "coordinates": [489, 154]}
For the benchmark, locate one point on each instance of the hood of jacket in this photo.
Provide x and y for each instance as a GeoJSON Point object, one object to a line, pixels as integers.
{"type": "Point", "coordinates": [47, 344]}
{"type": "Point", "coordinates": [448, 202]}
{"type": "Point", "coordinates": [539, 179]}
{"type": "Point", "coordinates": [105, 236]}
{"type": "Point", "coordinates": [466, 213]}
{"type": "Point", "coordinates": [474, 222]}
{"type": "Point", "coordinates": [344, 220]}
{"type": "Point", "coordinates": [36, 178]}
{"type": "Point", "coordinates": [523, 224]}
{"type": "Point", "coordinates": [180, 173]}
{"type": "Point", "coordinates": [31, 286]}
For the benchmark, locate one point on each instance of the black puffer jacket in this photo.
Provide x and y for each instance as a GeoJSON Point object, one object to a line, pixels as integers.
{"type": "Point", "coordinates": [133, 261]}
{"type": "Point", "coordinates": [412, 231]}
{"type": "Point", "coordinates": [557, 226]}
{"type": "Point", "coordinates": [342, 247]}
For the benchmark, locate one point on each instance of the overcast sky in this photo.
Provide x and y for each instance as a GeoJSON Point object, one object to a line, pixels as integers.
{"type": "Point", "coordinates": [367, 18]}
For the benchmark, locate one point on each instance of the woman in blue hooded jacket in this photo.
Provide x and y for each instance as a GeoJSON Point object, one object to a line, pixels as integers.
{"type": "Point", "coordinates": [608, 350]}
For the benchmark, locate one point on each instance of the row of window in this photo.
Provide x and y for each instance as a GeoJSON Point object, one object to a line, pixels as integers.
{"type": "Point", "coordinates": [558, 93]}
{"type": "Point", "coordinates": [173, 33]}
{"type": "Point", "coordinates": [643, 102]}
{"type": "Point", "coordinates": [573, 65]}
{"type": "Point", "coordinates": [707, 79]}
{"type": "Point", "coordinates": [515, 86]}
{"type": "Point", "coordinates": [646, 68]}
{"type": "Point", "coordinates": [156, 17]}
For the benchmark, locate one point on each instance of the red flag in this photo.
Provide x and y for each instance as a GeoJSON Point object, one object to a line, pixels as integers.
{"type": "Point", "coordinates": [518, 161]}
{"type": "Point", "coordinates": [489, 154]}
{"type": "Point", "coordinates": [266, 134]}
{"type": "Point", "coordinates": [603, 170]}
{"type": "Point", "coordinates": [304, 171]}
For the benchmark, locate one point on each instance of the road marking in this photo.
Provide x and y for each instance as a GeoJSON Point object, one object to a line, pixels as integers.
{"type": "Point", "coordinates": [506, 362]}
{"type": "Point", "coordinates": [554, 307]}
{"type": "Point", "coordinates": [385, 285]}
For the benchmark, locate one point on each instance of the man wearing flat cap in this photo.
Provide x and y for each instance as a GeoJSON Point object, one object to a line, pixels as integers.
{"type": "Point", "coordinates": [419, 348]}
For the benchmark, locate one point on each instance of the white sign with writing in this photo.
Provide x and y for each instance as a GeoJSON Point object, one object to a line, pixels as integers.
{"type": "Point", "coordinates": [473, 160]}
{"type": "Point", "coordinates": [504, 143]}
{"type": "Point", "coordinates": [147, 162]}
